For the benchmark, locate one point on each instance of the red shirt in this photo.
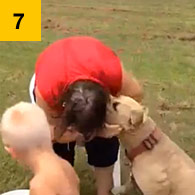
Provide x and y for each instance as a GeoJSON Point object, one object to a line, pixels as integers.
{"type": "Point", "coordinates": [72, 59]}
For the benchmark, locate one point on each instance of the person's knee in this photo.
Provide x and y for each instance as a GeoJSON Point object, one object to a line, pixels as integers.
{"type": "Point", "coordinates": [104, 179]}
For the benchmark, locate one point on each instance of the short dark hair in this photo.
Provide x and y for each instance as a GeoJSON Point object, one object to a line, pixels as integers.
{"type": "Point", "coordinates": [85, 107]}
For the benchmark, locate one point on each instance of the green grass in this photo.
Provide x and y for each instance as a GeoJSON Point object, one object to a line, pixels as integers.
{"type": "Point", "coordinates": [147, 35]}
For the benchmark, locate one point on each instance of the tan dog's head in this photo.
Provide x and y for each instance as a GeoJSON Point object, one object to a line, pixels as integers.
{"type": "Point", "coordinates": [125, 112]}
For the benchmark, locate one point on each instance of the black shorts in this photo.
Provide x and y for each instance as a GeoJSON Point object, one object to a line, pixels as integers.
{"type": "Point", "coordinates": [101, 152]}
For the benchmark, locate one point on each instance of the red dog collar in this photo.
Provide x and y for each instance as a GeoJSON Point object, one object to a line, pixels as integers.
{"type": "Point", "coordinates": [147, 144]}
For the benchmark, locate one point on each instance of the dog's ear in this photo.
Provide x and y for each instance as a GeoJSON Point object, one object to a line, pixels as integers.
{"type": "Point", "coordinates": [138, 116]}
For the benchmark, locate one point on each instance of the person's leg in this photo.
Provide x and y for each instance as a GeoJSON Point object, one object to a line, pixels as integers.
{"type": "Point", "coordinates": [65, 151]}
{"type": "Point", "coordinates": [102, 154]}
{"type": "Point", "coordinates": [104, 180]}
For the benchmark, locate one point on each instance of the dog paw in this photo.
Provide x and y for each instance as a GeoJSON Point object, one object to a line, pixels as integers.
{"type": "Point", "coordinates": [119, 190]}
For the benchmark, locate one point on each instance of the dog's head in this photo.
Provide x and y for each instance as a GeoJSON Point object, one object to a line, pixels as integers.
{"type": "Point", "coordinates": [126, 112]}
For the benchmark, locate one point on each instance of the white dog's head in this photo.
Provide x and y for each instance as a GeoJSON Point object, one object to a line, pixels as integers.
{"type": "Point", "coordinates": [126, 112]}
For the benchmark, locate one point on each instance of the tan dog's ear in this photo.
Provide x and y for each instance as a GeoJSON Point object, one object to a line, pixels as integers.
{"type": "Point", "coordinates": [138, 116]}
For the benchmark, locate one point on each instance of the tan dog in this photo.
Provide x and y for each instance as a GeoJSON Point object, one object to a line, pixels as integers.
{"type": "Point", "coordinates": [159, 166]}
{"type": "Point", "coordinates": [26, 136]}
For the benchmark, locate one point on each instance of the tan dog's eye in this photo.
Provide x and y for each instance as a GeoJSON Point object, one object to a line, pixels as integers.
{"type": "Point", "coordinates": [115, 104]}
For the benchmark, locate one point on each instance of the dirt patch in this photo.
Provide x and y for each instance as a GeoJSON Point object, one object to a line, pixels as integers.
{"type": "Point", "coordinates": [147, 36]}
{"type": "Point", "coordinates": [179, 106]}
{"type": "Point", "coordinates": [187, 38]}
{"type": "Point", "coordinates": [181, 37]}
{"type": "Point", "coordinates": [50, 24]}
{"type": "Point", "coordinates": [58, 26]}
{"type": "Point", "coordinates": [13, 77]}
{"type": "Point", "coordinates": [55, 25]}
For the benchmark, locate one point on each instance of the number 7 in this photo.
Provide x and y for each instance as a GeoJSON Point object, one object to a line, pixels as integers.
{"type": "Point", "coordinates": [19, 20]}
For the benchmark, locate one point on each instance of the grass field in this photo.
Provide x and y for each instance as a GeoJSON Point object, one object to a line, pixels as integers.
{"type": "Point", "coordinates": [155, 39]}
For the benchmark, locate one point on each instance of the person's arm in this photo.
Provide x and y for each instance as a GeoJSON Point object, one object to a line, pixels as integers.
{"type": "Point", "coordinates": [58, 134]}
{"type": "Point", "coordinates": [131, 87]}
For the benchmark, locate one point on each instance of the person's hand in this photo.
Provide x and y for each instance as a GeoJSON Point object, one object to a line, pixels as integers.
{"type": "Point", "coordinates": [80, 140]}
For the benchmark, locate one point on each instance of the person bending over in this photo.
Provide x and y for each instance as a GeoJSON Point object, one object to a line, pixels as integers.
{"type": "Point", "coordinates": [73, 79]}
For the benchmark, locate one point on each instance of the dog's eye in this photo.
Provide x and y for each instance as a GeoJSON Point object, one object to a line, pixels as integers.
{"type": "Point", "coordinates": [115, 104]}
